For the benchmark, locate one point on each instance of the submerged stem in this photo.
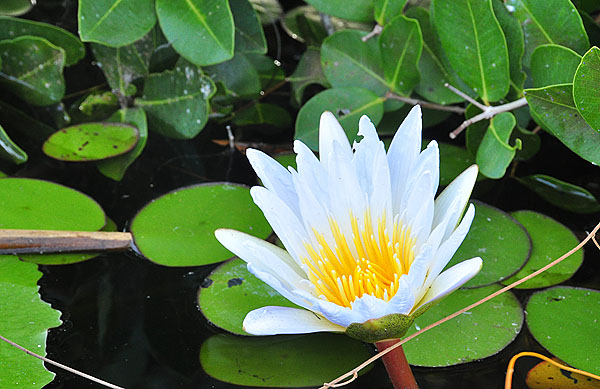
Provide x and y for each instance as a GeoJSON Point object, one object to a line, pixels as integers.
{"type": "Point", "coordinates": [397, 366]}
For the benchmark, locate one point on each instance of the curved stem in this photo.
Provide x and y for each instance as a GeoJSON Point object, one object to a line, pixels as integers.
{"type": "Point", "coordinates": [397, 366]}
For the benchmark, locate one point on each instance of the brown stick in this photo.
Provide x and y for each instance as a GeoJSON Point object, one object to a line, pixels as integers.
{"type": "Point", "coordinates": [45, 241]}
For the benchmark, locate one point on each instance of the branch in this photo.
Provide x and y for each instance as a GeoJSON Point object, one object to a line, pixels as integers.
{"type": "Point", "coordinates": [354, 372]}
{"type": "Point", "coordinates": [488, 113]}
{"type": "Point", "coordinates": [376, 31]}
{"type": "Point", "coordinates": [425, 104]}
{"type": "Point", "coordinates": [67, 368]}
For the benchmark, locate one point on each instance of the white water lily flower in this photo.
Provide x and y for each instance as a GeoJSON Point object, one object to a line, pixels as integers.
{"type": "Point", "coordinates": [366, 241]}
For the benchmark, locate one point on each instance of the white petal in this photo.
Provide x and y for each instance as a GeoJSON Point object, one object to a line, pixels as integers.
{"type": "Point", "coordinates": [402, 154]}
{"type": "Point", "coordinates": [419, 207]}
{"type": "Point", "coordinates": [271, 277]}
{"type": "Point", "coordinates": [331, 131]}
{"type": "Point", "coordinates": [310, 169]}
{"type": "Point", "coordinates": [428, 160]}
{"type": "Point", "coordinates": [418, 269]}
{"type": "Point", "coordinates": [404, 299]}
{"type": "Point", "coordinates": [337, 314]}
{"type": "Point", "coordinates": [274, 177]}
{"type": "Point", "coordinates": [345, 194]}
{"type": "Point", "coordinates": [238, 243]}
{"type": "Point", "coordinates": [452, 279]}
{"type": "Point", "coordinates": [284, 320]}
{"type": "Point", "coordinates": [283, 220]}
{"type": "Point", "coordinates": [449, 247]}
{"type": "Point", "coordinates": [372, 169]}
{"type": "Point", "coordinates": [460, 188]}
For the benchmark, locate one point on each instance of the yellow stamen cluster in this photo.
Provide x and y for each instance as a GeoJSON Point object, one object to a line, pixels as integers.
{"type": "Point", "coordinates": [369, 262]}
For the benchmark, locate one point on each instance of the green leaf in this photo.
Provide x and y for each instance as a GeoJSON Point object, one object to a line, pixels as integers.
{"type": "Point", "coordinates": [359, 11]}
{"type": "Point", "coordinates": [26, 321]}
{"type": "Point", "coordinates": [591, 28]}
{"type": "Point", "coordinates": [286, 160]}
{"type": "Point", "coordinates": [249, 35]}
{"type": "Point", "coordinates": [99, 104]}
{"type": "Point", "coordinates": [91, 142]}
{"type": "Point", "coordinates": [479, 333]}
{"type": "Point", "coordinates": [553, 64]}
{"type": "Point", "coordinates": [514, 42]}
{"type": "Point", "coordinates": [238, 75]}
{"type": "Point", "coordinates": [9, 150]}
{"type": "Point", "coordinates": [555, 109]}
{"type": "Point", "coordinates": [115, 167]}
{"type": "Point", "coordinates": [125, 64]}
{"type": "Point", "coordinates": [308, 72]}
{"type": "Point", "coordinates": [530, 143]}
{"type": "Point", "coordinates": [263, 113]}
{"type": "Point", "coordinates": [586, 88]}
{"type": "Point", "coordinates": [386, 10]}
{"type": "Point", "coordinates": [546, 22]}
{"type": "Point", "coordinates": [476, 131]}
{"type": "Point", "coordinates": [494, 153]}
{"type": "Point", "coordinates": [269, 73]}
{"type": "Point", "coordinates": [475, 45]}
{"type": "Point", "coordinates": [453, 161]}
{"type": "Point", "coordinates": [562, 194]}
{"type": "Point", "coordinates": [178, 229]}
{"type": "Point", "coordinates": [115, 22]}
{"type": "Point", "coordinates": [434, 67]}
{"type": "Point", "coordinates": [401, 44]}
{"type": "Point", "coordinates": [501, 242]}
{"type": "Point", "coordinates": [32, 69]}
{"type": "Point", "coordinates": [281, 361]}
{"type": "Point", "coordinates": [15, 7]}
{"type": "Point", "coordinates": [202, 32]}
{"type": "Point", "coordinates": [347, 104]}
{"type": "Point", "coordinates": [347, 61]}
{"type": "Point", "coordinates": [176, 101]}
{"type": "Point", "coordinates": [63, 209]}
{"type": "Point", "coordinates": [564, 320]}
{"type": "Point", "coordinates": [549, 240]}
{"type": "Point", "coordinates": [230, 292]}
{"type": "Point", "coordinates": [14, 27]}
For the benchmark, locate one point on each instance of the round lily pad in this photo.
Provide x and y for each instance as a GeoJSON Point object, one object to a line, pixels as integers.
{"type": "Point", "coordinates": [91, 141]}
{"type": "Point", "coordinates": [482, 332]}
{"type": "Point", "coordinates": [499, 239]}
{"type": "Point", "coordinates": [25, 320]}
{"type": "Point", "coordinates": [42, 205]}
{"type": "Point", "coordinates": [178, 228]}
{"type": "Point", "coordinates": [231, 291]}
{"type": "Point", "coordinates": [564, 320]}
{"type": "Point", "coordinates": [550, 240]}
{"type": "Point", "coordinates": [281, 361]}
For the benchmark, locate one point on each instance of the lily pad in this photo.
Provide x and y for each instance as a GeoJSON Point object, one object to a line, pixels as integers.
{"type": "Point", "coordinates": [499, 239]}
{"type": "Point", "coordinates": [564, 320]}
{"type": "Point", "coordinates": [62, 209]}
{"type": "Point", "coordinates": [546, 375]}
{"type": "Point", "coordinates": [115, 167]}
{"type": "Point", "coordinates": [26, 320]}
{"type": "Point", "coordinates": [562, 194]}
{"type": "Point", "coordinates": [91, 141]}
{"type": "Point", "coordinates": [549, 240]}
{"type": "Point", "coordinates": [286, 159]}
{"type": "Point", "coordinates": [178, 228]}
{"type": "Point", "coordinates": [482, 332]}
{"type": "Point", "coordinates": [281, 361]}
{"type": "Point", "coordinates": [231, 291]}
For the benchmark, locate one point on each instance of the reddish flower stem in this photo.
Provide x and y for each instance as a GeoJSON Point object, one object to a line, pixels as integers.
{"type": "Point", "coordinates": [397, 366]}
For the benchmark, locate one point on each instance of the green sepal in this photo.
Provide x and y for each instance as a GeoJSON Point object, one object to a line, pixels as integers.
{"type": "Point", "coordinates": [387, 327]}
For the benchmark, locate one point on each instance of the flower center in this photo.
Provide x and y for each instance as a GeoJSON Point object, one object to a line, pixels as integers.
{"type": "Point", "coordinates": [370, 261]}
